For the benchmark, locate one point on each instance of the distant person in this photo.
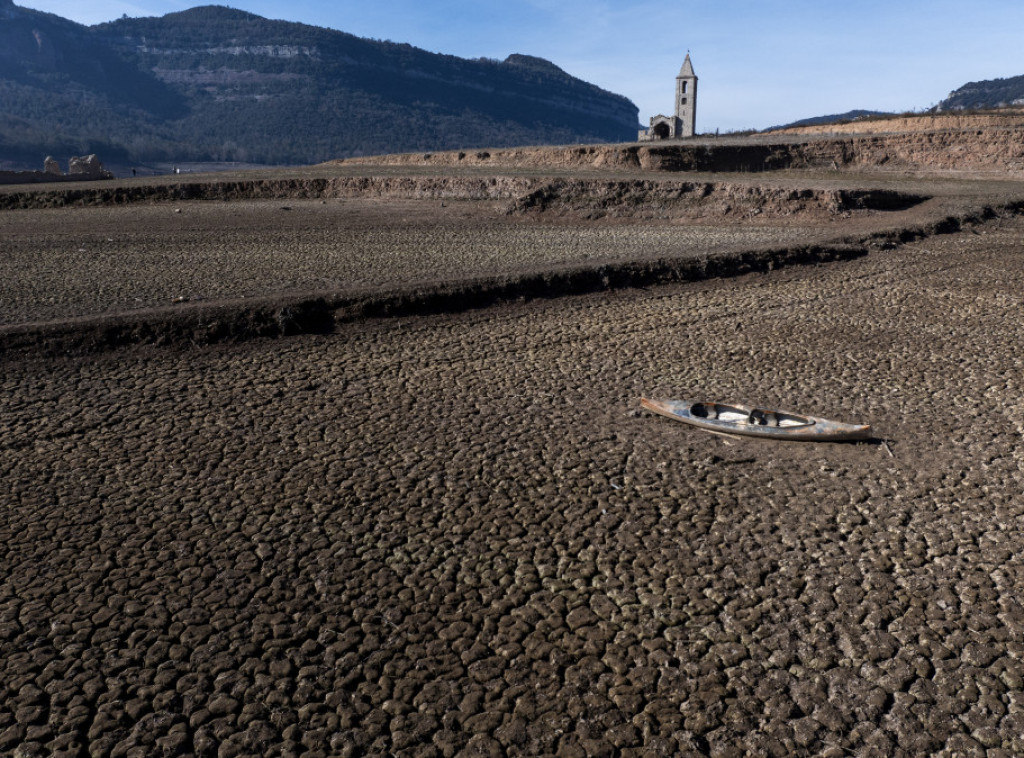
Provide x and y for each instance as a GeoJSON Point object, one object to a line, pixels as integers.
{"type": "Point", "coordinates": [133, 172]}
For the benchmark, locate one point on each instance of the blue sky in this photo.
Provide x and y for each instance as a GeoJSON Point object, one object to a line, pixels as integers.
{"type": "Point", "coordinates": [759, 62]}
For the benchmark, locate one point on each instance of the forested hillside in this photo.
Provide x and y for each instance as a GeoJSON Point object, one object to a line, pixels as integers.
{"type": "Point", "coordinates": [213, 83]}
{"type": "Point", "coordinates": [992, 93]}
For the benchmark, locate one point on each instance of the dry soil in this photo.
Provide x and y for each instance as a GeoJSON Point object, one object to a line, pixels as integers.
{"type": "Point", "coordinates": [459, 534]}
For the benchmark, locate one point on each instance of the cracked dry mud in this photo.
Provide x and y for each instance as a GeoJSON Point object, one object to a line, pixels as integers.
{"type": "Point", "coordinates": [60, 263]}
{"type": "Point", "coordinates": [459, 535]}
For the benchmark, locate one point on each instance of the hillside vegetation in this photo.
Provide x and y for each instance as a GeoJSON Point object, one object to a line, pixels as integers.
{"type": "Point", "coordinates": [217, 84]}
{"type": "Point", "coordinates": [992, 93]}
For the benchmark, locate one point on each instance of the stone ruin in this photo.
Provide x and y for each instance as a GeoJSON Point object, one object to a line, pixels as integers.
{"type": "Point", "coordinates": [80, 168]}
{"type": "Point", "coordinates": [87, 166]}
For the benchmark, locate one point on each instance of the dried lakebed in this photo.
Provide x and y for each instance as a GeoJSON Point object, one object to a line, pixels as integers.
{"type": "Point", "coordinates": [458, 533]}
{"type": "Point", "coordinates": [117, 259]}
{"type": "Point", "coordinates": [342, 236]}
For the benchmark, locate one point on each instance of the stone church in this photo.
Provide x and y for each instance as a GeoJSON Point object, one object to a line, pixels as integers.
{"type": "Point", "coordinates": [683, 123]}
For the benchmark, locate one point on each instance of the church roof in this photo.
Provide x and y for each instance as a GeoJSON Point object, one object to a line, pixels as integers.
{"type": "Point", "coordinates": [687, 69]}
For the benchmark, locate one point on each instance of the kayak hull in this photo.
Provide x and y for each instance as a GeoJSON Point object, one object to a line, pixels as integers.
{"type": "Point", "coordinates": [729, 418]}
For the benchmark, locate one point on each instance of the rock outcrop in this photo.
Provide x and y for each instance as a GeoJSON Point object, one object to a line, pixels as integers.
{"type": "Point", "coordinates": [51, 167]}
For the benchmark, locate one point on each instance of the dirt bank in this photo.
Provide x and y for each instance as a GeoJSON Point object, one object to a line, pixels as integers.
{"type": "Point", "coordinates": [672, 197]}
{"type": "Point", "coordinates": [717, 201]}
{"type": "Point", "coordinates": [984, 142]}
{"type": "Point", "coordinates": [996, 149]}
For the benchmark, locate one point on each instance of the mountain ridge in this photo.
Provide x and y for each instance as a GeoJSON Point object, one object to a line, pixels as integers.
{"type": "Point", "coordinates": [215, 83]}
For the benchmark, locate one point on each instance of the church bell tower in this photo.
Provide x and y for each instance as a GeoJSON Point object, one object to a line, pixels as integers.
{"type": "Point", "coordinates": [686, 100]}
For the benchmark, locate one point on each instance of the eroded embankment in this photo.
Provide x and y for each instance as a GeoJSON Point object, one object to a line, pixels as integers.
{"type": "Point", "coordinates": [985, 148]}
{"type": "Point", "coordinates": [320, 313]}
{"type": "Point", "coordinates": [589, 198]}
{"type": "Point", "coordinates": [470, 188]}
{"type": "Point", "coordinates": [944, 150]}
{"type": "Point", "coordinates": [650, 199]}
{"type": "Point", "coordinates": [240, 320]}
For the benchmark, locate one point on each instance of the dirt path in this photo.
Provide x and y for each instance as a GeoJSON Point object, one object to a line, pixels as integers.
{"type": "Point", "coordinates": [421, 536]}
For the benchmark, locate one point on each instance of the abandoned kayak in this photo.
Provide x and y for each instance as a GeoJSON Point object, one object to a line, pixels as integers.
{"type": "Point", "coordinates": [755, 422]}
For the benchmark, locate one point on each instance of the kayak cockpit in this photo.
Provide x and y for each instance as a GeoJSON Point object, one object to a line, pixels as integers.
{"type": "Point", "coordinates": [729, 414]}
